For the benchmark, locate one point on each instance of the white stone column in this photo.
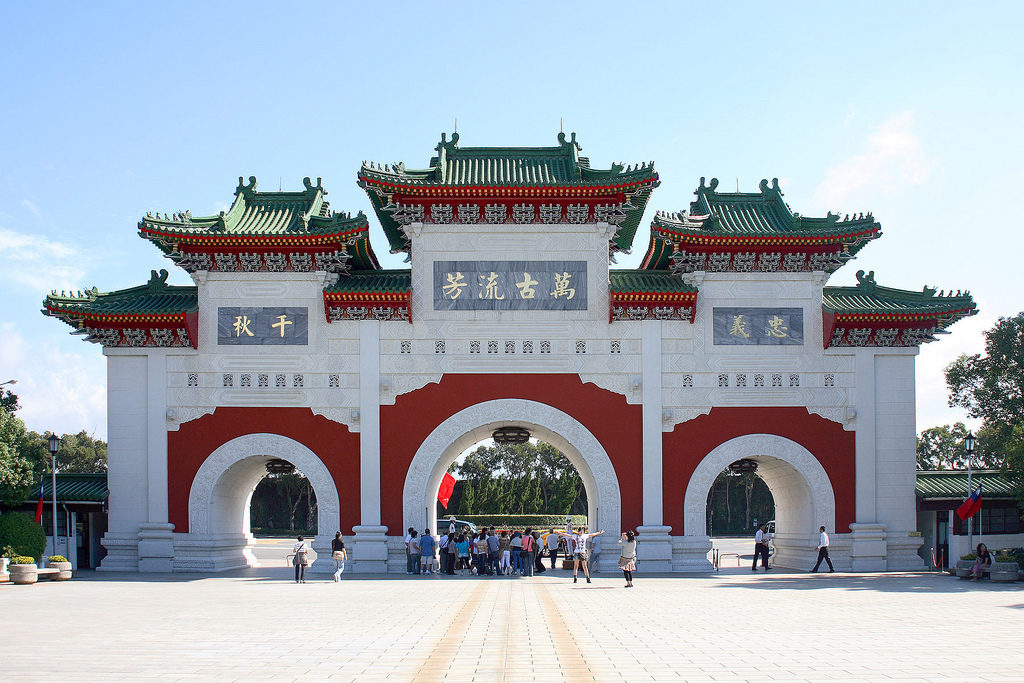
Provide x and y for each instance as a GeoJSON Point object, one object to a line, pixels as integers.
{"type": "Point", "coordinates": [127, 441]}
{"type": "Point", "coordinates": [867, 547]}
{"type": "Point", "coordinates": [156, 545]}
{"type": "Point", "coordinates": [369, 547]}
{"type": "Point", "coordinates": [655, 548]}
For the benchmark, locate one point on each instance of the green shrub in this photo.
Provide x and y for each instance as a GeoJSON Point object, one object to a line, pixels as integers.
{"type": "Point", "coordinates": [1003, 557]}
{"type": "Point", "coordinates": [539, 522]}
{"type": "Point", "coordinates": [23, 559]}
{"type": "Point", "coordinates": [56, 558]}
{"type": "Point", "coordinates": [969, 556]}
{"type": "Point", "coordinates": [19, 531]}
{"type": "Point", "coordinates": [7, 551]}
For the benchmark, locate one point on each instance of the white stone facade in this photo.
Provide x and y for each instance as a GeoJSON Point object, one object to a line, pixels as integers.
{"type": "Point", "coordinates": [349, 369]}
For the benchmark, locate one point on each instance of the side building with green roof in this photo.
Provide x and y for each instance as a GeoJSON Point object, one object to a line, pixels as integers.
{"type": "Point", "coordinates": [295, 348]}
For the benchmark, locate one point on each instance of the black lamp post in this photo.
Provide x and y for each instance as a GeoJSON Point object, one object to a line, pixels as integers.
{"type": "Point", "coordinates": [969, 442]}
{"type": "Point", "coordinates": [54, 443]}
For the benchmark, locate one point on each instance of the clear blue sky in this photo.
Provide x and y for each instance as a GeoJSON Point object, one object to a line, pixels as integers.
{"type": "Point", "coordinates": [109, 110]}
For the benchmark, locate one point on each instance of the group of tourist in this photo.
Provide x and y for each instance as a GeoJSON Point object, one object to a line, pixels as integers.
{"type": "Point", "coordinates": [490, 552]}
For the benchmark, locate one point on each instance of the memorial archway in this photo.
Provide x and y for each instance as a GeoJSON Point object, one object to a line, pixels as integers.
{"type": "Point", "coordinates": [476, 423]}
{"type": "Point", "coordinates": [803, 493]}
{"type": "Point", "coordinates": [218, 502]}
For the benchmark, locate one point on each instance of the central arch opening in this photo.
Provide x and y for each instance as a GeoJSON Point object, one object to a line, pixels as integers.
{"type": "Point", "coordinates": [475, 425]}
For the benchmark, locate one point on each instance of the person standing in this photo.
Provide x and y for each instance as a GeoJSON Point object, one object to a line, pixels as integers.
{"type": "Point", "coordinates": [505, 552]}
{"type": "Point", "coordinates": [577, 545]}
{"type": "Point", "coordinates": [339, 556]}
{"type": "Point", "coordinates": [462, 548]}
{"type": "Point", "coordinates": [552, 544]}
{"type": "Point", "coordinates": [529, 548]}
{"type": "Point", "coordinates": [760, 548]}
{"type": "Point", "coordinates": [516, 544]}
{"type": "Point", "coordinates": [538, 558]}
{"type": "Point", "coordinates": [823, 552]}
{"type": "Point", "coordinates": [627, 556]}
{"type": "Point", "coordinates": [409, 569]}
{"type": "Point", "coordinates": [414, 550]}
{"type": "Point", "coordinates": [300, 549]}
{"type": "Point", "coordinates": [481, 554]}
{"type": "Point", "coordinates": [493, 563]}
{"type": "Point", "coordinates": [452, 553]}
{"type": "Point", "coordinates": [442, 552]}
{"type": "Point", "coordinates": [594, 550]}
{"type": "Point", "coordinates": [428, 549]}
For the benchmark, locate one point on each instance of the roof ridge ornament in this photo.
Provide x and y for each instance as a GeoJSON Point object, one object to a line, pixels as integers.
{"type": "Point", "coordinates": [572, 141]}
{"type": "Point", "coordinates": [157, 281]}
{"type": "Point", "coordinates": [710, 188]}
{"type": "Point", "coordinates": [866, 281]}
{"type": "Point", "coordinates": [775, 186]}
{"type": "Point", "coordinates": [308, 184]}
{"type": "Point", "coordinates": [243, 187]}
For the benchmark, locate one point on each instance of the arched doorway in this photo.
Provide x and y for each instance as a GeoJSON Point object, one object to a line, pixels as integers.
{"type": "Point", "coordinates": [476, 423]}
{"type": "Point", "coordinates": [218, 502]}
{"type": "Point", "coordinates": [803, 494]}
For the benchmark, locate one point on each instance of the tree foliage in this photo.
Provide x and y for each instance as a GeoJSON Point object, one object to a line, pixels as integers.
{"type": "Point", "coordinates": [16, 471]}
{"type": "Point", "coordinates": [20, 533]}
{"type": "Point", "coordinates": [518, 479]}
{"type": "Point", "coordinates": [9, 401]}
{"type": "Point", "coordinates": [284, 501]}
{"type": "Point", "coordinates": [991, 387]}
{"type": "Point", "coordinates": [735, 501]}
{"type": "Point", "coordinates": [942, 448]}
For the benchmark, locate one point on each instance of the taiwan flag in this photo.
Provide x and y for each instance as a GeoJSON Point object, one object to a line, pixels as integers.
{"type": "Point", "coordinates": [970, 507]}
{"type": "Point", "coordinates": [39, 503]}
{"type": "Point", "coordinates": [444, 494]}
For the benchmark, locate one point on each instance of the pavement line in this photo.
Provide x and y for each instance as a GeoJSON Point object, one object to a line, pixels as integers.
{"type": "Point", "coordinates": [570, 659]}
{"type": "Point", "coordinates": [440, 660]}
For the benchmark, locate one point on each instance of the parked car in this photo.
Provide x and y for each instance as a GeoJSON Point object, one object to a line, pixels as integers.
{"type": "Point", "coordinates": [461, 526]}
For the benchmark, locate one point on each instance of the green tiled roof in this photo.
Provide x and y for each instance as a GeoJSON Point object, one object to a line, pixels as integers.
{"type": "Point", "coordinates": [869, 299]}
{"type": "Point", "coordinates": [262, 213]}
{"type": "Point", "coordinates": [622, 280]}
{"type": "Point", "coordinates": [756, 214]}
{"type": "Point", "coordinates": [379, 281]}
{"type": "Point", "coordinates": [91, 488]}
{"type": "Point", "coordinates": [952, 484]}
{"type": "Point", "coordinates": [560, 166]}
{"type": "Point", "coordinates": [156, 298]}
{"type": "Point", "coordinates": [526, 168]}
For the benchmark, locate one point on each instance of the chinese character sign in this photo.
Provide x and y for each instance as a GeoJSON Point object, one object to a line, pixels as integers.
{"type": "Point", "coordinates": [758, 326]}
{"type": "Point", "coordinates": [510, 285]}
{"type": "Point", "coordinates": [240, 326]}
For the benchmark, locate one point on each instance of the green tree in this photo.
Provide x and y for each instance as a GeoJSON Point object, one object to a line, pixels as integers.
{"type": "Point", "coordinates": [17, 472]}
{"type": "Point", "coordinates": [519, 479]}
{"type": "Point", "coordinates": [9, 401]}
{"type": "Point", "coordinates": [78, 453]}
{"type": "Point", "coordinates": [942, 448]}
{"type": "Point", "coordinates": [991, 387]}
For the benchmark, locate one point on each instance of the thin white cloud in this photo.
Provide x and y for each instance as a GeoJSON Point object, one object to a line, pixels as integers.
{"type": "Point", "coordinates": [30, 205]}
{"type": "Point", "coordinates": [39, 263]}
{"type": "Point", "coordinates": [893, 159]}
{"type": "Point", "coordinates": [60, 391]}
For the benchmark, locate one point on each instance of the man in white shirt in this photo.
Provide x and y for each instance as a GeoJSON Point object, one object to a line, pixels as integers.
{"type": "Point", "coordinates": [823, 552]}
{"type": "Point", "coordinates": [760, 548]}
{"type": "Point", "coordinates": [408, 553]}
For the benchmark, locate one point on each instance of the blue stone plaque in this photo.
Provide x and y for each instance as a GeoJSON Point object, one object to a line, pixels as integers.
{"type": "Point", "coordinates": [510, 285]}
{"type": "Point", "coordinates": [262, 326]}
{"type": "Point", "coordinates": [758, 326]}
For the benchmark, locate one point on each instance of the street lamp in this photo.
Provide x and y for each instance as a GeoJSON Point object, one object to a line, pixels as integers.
{"type": "Point", "coordinates": [10, 381]}
{"type": "Point", "coordinates": [969, 441]}
{"type": "Point", "coordinates": [54, 442]}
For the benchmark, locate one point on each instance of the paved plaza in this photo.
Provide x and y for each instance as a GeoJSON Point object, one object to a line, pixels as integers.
{"type": "Point", "coordinates": [731, 626]}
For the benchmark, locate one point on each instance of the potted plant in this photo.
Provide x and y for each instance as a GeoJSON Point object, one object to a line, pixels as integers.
{"type": "Point", "coordinates": [963, 566]}
{"type": "Point", "coordinates": [1004, 568]}
{"type": "Point", "coordinates": [6, 553]}
{"type": "Point", "coordinates": [23, 570]}
{"type": "Point", "coordinates": [60, 563]}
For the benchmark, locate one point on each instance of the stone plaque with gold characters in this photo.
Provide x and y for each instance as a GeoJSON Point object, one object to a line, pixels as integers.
{"type": "Point", "coordinates": [262, 326]}
{"type": "Point", "coordinates": [758, 326]}
{"type": "Point", "coordinates": [510, 285]}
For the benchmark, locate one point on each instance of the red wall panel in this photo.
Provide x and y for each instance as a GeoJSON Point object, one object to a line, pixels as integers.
{"type": "Point", "coordinates": [404, 426]}
{"type": "Point", "coordinates": [335, 445]}
{"type": "Point", "coordinates": [688, 443]}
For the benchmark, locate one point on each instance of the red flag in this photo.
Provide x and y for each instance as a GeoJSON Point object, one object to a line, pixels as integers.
{"type": "Point", "coordinates": [970, 507]}
{"type": "Point", "coordinates": [444, 494]}
{"type": "Point", "coordinates": [39, 504]}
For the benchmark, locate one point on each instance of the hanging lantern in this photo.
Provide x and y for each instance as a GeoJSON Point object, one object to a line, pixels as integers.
{"type": "Point", "coordinates": [278, 466]}
{"type": "Point", "coordinates": [743, 466]}
{"type": "Point", "coordinates": [510, 435]}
